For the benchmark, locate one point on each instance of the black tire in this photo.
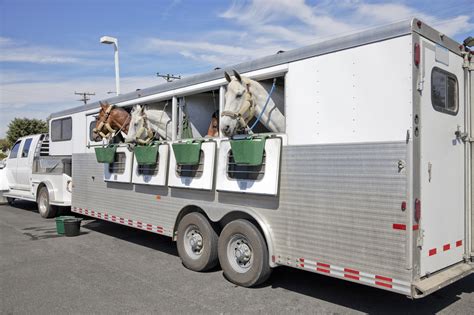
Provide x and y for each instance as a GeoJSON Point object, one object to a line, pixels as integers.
{"type": "Point", "coordinates": [257, 269]}
{"type": "Point", "coordinates": [10, 201]}
{"type": "Point", "coordinates": [192, 229]}
{"type": "Point", "coordinates": [45, 209]}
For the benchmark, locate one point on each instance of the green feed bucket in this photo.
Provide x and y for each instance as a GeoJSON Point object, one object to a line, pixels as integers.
{"type": "Point", "coordinates": [60, 223]}
{"type": "Point", "coordinates": [105, 154]}
{"type": "Point", "coordinates": [248, 151]}
{"type": "Point", "coordinates": [187, 153]}
{"type": "Point", "coordinates": [146, 154]}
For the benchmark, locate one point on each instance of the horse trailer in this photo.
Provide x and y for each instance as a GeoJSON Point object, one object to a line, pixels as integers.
{"type": "Point", "coordinates": [370, 181]}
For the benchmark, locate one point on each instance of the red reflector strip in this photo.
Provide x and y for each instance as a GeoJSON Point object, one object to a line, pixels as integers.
{"type": "Point", "coordinates": [446, 247]}
{"type": "Point", "coordinates": [320, 267]}
{"type": "Point", "coordinates": [432, 252]}
{"type": "Point", "coordinates": [351, 274]}
{"type": "Point", "coordinates": [383, 278]}
{"type": "Point", "coordinates": [397, 226]}
{"type": "Point", "coordinates": [415, 227]}
{"type": "Point", "coordinates": [459, 243]}
{"type": "Point", "coordinates": [273, 258]}
{"type": "Point", "coordinates": [301, 264]}
{"type": "Point", "coordinates": [130, 222]}
{"type": "Point", "coordinates": [149, 227]}
{"type": "Point", "coordinates": [383, 284]}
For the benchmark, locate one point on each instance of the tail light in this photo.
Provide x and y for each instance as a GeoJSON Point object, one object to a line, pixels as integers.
{"type": "Point", "coordinates": [417, 210]}
{"type": "Point", "coordinates": [417, 53]}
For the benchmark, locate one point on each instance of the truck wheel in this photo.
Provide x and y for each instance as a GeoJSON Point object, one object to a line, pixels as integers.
{"type": "Point", "coordinates": [10, 201]}
{"type": "Point", "coordinates": [45, 209]}
{"type": "Point", "coordinates": [197, 242]}
{"type": "Point", "coordinates": [243, 254]}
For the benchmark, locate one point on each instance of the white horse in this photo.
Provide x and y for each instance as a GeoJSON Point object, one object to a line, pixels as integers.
{"type": "Point", "coordinates": [147, 123]}
{"type": "Point", "coordinates": [245, 99]}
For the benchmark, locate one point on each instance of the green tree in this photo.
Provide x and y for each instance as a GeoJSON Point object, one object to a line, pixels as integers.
{"type": "Point", "coordinates": [20, 127]}
{"type": "Point", "coordinates": [4, 145]}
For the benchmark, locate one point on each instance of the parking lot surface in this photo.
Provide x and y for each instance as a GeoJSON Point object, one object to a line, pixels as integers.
{"type": "Point", "coordinates": [116, 269]}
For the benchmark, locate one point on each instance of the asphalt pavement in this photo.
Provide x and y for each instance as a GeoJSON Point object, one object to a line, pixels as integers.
{"type": "Point", "coordinates": [112, 269]}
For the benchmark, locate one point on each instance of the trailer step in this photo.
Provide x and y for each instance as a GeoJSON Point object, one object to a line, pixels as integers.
{"type": "Point", "coordinates": [441, 279]}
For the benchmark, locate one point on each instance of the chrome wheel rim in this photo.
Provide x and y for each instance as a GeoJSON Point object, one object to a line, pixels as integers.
{"type": "Point", "coordinates": [239, 253]}
{"type": "Point", "coordinates": [193, 242]}
{"type": "Point", "coordinates": [43, 202]}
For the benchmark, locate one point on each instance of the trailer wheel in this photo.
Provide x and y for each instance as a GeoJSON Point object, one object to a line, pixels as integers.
{"type": "Point", "coordinates": [45, 209]}
{"type": "Point", "coordinates": [243, 254]}
{"type": "Point", "coordinates": [197, 242]}
{"type": "Point", "coordinates": [10, 201]}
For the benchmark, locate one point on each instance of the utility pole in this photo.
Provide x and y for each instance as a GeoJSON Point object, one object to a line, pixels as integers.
{"type": "Point", "coordinates": [84, 96]}
{"type": "Point", "coordinates": [168, 77]}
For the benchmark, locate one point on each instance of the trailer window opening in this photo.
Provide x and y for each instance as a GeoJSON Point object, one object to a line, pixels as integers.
{"type": "Point", "coordinates": [61, 129]}
{"type": "Point", "coordinates": [148, 170]}
{"type": "Point", "coordinates": [26, 148]}
{"type": "Point", "coordinates": [191, 170]}
{"type": "Point", "coordinates": [14, 151]}
{"type": "Point", "coordinates": [245, 172]}
{"type": "Point", "coordinates": [118, 166]}
{"type": "Point", "coordinates": [91, 130]}
{"type": "Point", "coordinates": [444, 91]}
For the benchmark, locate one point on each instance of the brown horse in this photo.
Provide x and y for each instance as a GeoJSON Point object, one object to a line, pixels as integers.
{"type": "Point", "coordinates": [213, 130]}
{"type": "Point", "coordinates": [110, 121]}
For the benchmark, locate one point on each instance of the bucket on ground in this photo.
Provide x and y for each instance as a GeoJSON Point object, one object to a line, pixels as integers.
{"type": "Point", "coordinates": [60, 223]}
{"type": "Point", "coordinates": [72, 226]}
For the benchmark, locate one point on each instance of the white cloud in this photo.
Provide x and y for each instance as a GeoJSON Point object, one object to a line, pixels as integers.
{"type": "Point", "coordinates": [40, 99]}
{"type": "Point", "coordinates": [20, 51]}
{"type": "Point", "coordinates": [264, 27]}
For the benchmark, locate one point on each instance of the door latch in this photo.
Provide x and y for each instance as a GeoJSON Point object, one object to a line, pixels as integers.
{"type": "Point", "coordinates": [463, 136]}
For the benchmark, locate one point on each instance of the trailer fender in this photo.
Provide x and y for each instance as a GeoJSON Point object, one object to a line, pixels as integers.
{"type": "Point", "coordinates": [217, 216]}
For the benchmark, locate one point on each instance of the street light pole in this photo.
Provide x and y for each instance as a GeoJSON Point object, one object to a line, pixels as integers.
{"type": "Point", "coordinates": [114, 41]}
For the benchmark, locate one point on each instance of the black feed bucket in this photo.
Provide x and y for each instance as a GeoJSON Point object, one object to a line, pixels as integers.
{"type": "Point", "coordinates": [72, 226]}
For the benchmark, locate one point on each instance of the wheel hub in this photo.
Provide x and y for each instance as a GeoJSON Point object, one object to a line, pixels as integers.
{"type": "Point", "coordinates": [243, 254]}
{"type": "Point", "coordinates": [196, 242]}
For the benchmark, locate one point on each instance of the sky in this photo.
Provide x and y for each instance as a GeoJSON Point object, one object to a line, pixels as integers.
{"type": "Point", "coordinates": [50, 49]}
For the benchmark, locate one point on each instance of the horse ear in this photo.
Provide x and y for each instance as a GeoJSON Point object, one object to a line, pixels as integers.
{"type": "Point", "coordinates": [227, 77]}
{"type": "Point", "coordinates": [104, 106]}
{"type": "Point", "coordinates": [237, 75]}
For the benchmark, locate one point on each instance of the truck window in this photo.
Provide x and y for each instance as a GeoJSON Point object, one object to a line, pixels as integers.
{"type": "Point", "coordinates": [26, 148]}
{"type": "Point", "coordinates": [14, 152]}
{"type": "Point", "coordinates": [61, 129]}
{"type": "Point", "coordinates": [444, 91]}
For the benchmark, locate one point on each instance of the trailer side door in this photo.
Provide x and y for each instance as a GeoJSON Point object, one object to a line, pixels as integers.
{"type": "Point", "coordinates": [442, 158]}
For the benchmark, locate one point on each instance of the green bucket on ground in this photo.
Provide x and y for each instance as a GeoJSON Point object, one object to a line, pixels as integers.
{"type": "Point", "coordinates": [146, 154]}
{"type": "Point", "coordinates": [60, 223]}
{"type": "Point", "coordinates": [187, 153]}
{"type": "Point", "coordinates": [248, 151]}
{"type": "Point", "coordinates": [105, 154]}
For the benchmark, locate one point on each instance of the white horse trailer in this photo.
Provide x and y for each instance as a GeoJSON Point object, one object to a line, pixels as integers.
{"type": "Point", "coordinates": [369, 183]}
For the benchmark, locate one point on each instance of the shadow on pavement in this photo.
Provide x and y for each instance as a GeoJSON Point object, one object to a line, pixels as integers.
{"type": "Point", "coordinates": [351, 295]}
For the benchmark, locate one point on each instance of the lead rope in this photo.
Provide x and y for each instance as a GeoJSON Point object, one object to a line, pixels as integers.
{"type": "Point", "coordinates": [264, 107]}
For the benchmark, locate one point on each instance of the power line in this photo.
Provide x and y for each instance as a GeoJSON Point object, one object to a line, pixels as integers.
{"type": "Point", "coordinates": [85, 97]}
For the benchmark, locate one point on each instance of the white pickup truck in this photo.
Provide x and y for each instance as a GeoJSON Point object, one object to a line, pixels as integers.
{"type": "Point", "coordinates": [32, 174]}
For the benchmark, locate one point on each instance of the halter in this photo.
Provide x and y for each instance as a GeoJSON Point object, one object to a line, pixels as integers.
{"type": "Point", "coordinates": [149, 132]}
{"type": "Point", "coordinates": [246, 112]}
{"type": "Point", "coordinates": [105, 124]}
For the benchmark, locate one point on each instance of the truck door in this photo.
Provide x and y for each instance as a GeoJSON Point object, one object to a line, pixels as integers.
{"type": "Point", "coordinates": [24, 164]}
{"type": "Point", "coordinates": [442, 158]}
{"type": "Point", "coordinates": [12, 162]}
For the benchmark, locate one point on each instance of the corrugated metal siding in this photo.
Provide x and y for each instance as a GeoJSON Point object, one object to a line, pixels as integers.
{"type": "Point", "coordinates": [337, 204]}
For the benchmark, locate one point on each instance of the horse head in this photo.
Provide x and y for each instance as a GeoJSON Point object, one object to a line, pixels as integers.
{"type": "Point", "coordinates": [239, 107]}
{"type": "Point", "coordinates": [101, 120]}
{"type": "Point", "coordinates": [136, 122]}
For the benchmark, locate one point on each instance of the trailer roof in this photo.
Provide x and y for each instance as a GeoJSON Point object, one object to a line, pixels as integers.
{"type": "Point", "coordinates": [340, 43]}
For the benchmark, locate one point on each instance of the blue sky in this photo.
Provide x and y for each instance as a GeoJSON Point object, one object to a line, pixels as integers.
{"type": "Point", "coordinates": [50, 48]}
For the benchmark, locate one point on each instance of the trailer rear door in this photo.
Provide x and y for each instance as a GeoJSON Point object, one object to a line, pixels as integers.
{"type": "Point", "coordinates": [442, 158]}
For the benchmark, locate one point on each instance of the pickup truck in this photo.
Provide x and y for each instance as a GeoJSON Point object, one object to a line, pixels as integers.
{"type": "Point", "coordinates": [32, 174]}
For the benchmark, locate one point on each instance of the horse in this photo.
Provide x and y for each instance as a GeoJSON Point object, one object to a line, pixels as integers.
{"type": "Point", "coordinates": [147, 124]}
{"type": "Point", "coordinates": [213, 130]}
{"type": "Point", "coordinates": [245, 99]}
{"type": "Point", "coordinates": [111, 120]}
